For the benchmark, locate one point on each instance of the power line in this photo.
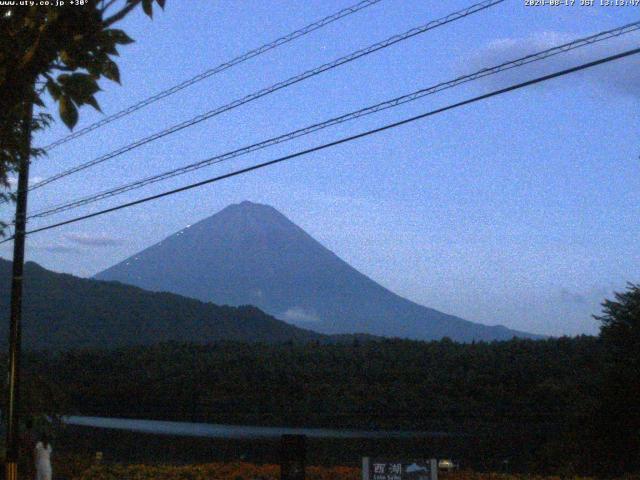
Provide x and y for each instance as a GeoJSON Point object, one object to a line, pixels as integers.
{"type": "Point", "coordinates": [341, 119]}
{"type": "Point", "coordinates": [278, 86]}
{"type": "Point", "coordinates": [213, 71]}
{"type": "Point", "coordinates": [342, 140]}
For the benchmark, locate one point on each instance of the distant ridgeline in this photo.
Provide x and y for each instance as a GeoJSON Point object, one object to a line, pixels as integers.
{"type": "Point", "coordinates": [63, 312]}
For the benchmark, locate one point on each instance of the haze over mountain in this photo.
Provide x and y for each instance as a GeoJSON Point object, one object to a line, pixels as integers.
{"type": "Point", "coordinates": [252, 254]}
{"type": "Point", "coordinates": [61, 312]}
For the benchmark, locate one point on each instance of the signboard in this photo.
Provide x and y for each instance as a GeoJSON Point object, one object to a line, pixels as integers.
{"type": "Point", "coordinates": [399, 469]}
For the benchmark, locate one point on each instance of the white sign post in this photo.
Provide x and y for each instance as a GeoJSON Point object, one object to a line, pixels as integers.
{"type": "Point", "coordinates": [397, 469]}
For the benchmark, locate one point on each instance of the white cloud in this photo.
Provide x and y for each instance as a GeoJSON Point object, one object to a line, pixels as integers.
{"type": "Point", "coordinates": [568, 296]}
{"type": "Point", "coordinates": [13, 181]}
{"type": "Point", "coordinates": [60, 249]}
{"type": "Point", "coordinates": [618, 77]}
{"type": "Point", "coordinates": [53, 248]}
{"type": "Point", "coordinates": [93, 240]}
{"type": "Point", "coordinates": [590, 296]}
{"type": "Point", "coordinates": [299, 315]}
{"type": "Point", "coordinates": [258, 293]}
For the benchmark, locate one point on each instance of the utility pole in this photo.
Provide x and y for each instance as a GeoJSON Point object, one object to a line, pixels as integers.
{"type": "Point", "coordinates": [13, 390]}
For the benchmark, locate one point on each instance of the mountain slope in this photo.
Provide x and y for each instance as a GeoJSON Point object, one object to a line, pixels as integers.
{"type": "Point", "coordinates": [251, 254]}
{"type": "Point", "coordinates": [62, 311]}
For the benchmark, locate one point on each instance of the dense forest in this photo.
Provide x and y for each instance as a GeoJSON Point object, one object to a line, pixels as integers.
{"type": "Point", "coordinates": [387, 384]}
{"type": "Point", "coordinates": [529, 395]}
{"type": "Point", "coordinates": [557, 404]}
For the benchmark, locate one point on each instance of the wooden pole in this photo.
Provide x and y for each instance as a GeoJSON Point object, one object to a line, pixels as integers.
{"type": "Point", "coordinates": [13, 390]}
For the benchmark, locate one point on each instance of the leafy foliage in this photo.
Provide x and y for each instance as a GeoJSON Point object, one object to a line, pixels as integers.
{"type": "Point", "coordinates": [620, 322]}
{"type": "Point", "coordinates": [616, 417]}
{"type": "Point", "coordinates": [62, 51]}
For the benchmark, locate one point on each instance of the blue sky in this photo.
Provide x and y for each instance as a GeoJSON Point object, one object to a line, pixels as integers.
{"type": "Point", "coordinates": [521, 210]}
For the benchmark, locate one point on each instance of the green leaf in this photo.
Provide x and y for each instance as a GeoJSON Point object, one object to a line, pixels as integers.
{"type": "Point", "coordinates": [147, 6]}
{"type": "Point", "coordinates": [68, 112]}
{"type": "Point", "coordinates": [94, 103]}
{"type": "Point", "coordinates": [94, 68]}
{"type": "Point", "coordinates": [54, 89]}
{"type": "Point", "coordinates": [111, 71]}
{"type": "Point", "coordinates": [68, 60]}
{"type": "Point", "coordinates": [119, 36]}
{"type": "Point", "coordinates": [80, 87]}
{"type": "Point", "coordinates": [38, 101]}
{"type": "Point", "coordinates": [108, 46]}
{"type": "Point", "coordinates": [161, 3]}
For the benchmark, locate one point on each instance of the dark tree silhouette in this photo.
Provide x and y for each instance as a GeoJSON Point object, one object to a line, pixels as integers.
{"type": "Point", "coordinates": [57, 51]}
{"type": "Point", "coordinates": [617, 422]}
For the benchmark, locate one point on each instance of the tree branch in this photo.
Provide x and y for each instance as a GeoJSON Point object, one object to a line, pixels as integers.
{"type": "Point", "coordinates": [107, 6]}
{"type": "Point", "coordinates": [121, 14]}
